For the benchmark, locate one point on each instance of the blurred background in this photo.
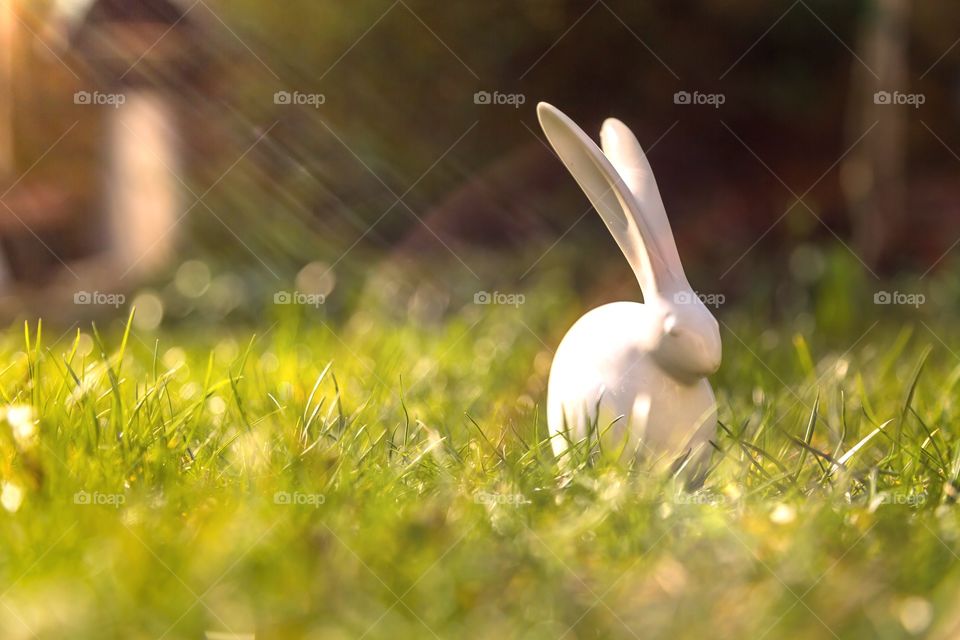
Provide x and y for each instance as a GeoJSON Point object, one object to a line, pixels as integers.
{"type": "Point", "coordinates": [214, 159]}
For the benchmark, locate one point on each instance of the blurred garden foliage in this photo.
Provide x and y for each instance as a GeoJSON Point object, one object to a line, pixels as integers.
{"type": "Point", "coordinates": [399, 133]}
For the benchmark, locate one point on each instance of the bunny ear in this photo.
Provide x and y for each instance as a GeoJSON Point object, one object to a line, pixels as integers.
{"type": "Point", "coordinates": [624, 152]}
{"type": "Point", "coordinates": [609, 195]}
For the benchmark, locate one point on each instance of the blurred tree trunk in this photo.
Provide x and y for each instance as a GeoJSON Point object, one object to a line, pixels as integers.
{"type": "Point", "coordinates": [6, 88]}
{"type": "Point", "coordinates": [873, 175]}
{"type": "Point", "coordinates": [6, 121]}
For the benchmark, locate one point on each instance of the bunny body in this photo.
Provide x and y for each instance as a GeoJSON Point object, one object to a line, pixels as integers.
{"type": "Point", "coordinates": [638, 372]}
{"type": "Point", "coordinates": [624, 391]}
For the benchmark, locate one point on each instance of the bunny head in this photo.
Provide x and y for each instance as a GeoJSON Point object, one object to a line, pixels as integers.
{"type": "Point", "coordinates": [679, 331]}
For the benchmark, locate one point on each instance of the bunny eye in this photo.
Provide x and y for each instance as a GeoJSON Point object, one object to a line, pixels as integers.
{"type": "Point", "coordinates": [670, 325]}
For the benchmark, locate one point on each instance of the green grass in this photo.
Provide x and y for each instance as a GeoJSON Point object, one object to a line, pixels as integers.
{"type": "Point", "coordinates": [371, 478]}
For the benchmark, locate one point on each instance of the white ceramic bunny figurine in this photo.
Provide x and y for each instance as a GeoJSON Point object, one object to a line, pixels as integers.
{"type": "Point", "coordinates": [635, 371]}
